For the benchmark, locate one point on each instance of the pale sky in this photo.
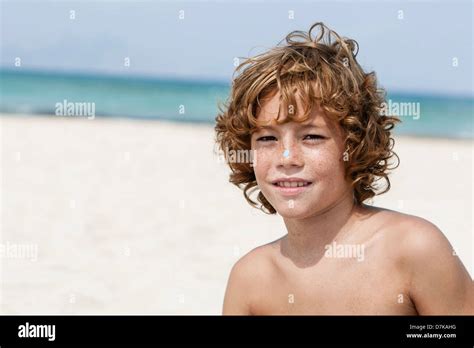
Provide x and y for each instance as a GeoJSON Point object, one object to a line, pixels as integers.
{"type": "Point", "coordinates": [411, 45]}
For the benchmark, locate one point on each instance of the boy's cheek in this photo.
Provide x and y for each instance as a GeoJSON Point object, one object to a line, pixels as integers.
{"type": "Point", "coordinates": [330, 160]}
{"type": "Point", "coordinates": [261, 169]}
{"type": "Point", "coordinates": [265, 159]}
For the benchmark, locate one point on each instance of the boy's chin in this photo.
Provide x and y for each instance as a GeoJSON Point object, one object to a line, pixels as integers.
{"type": "Point", "coordinates": [293, 212]}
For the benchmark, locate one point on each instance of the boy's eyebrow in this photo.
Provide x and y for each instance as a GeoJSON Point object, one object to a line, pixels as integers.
{"type": "Point", "coordinates": [301, 126]}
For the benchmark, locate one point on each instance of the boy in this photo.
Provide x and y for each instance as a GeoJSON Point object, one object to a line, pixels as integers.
{"type": "Point", "coordinates": [312, 118]}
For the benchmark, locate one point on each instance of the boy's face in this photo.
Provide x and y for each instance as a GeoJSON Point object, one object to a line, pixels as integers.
{"type": "Point", "coordinates": [310, 153]}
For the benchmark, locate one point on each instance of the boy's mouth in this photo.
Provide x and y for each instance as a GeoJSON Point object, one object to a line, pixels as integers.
{"type": "Point", "coordinates": [292, 183]}
{"type": "Point", "coordinates": [291, 186]}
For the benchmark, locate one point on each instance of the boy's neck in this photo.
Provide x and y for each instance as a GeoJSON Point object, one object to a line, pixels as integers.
{"type": "Point", "coordinates": [304, 244]}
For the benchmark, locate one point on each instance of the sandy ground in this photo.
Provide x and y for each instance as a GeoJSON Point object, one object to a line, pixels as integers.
{"type": "Point", "coordinates": [119, 216]}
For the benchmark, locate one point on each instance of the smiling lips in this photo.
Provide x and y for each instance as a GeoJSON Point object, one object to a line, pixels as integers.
{"type": "Point", "coordinates": [291, 186]}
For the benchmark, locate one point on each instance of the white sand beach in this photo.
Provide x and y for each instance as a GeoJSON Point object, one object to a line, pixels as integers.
{"type": "Point", "coordinates": [138, 217]}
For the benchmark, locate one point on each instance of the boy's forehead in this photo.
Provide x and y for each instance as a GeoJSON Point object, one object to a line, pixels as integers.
{"type": "Point", "coordinates": [268, 113]}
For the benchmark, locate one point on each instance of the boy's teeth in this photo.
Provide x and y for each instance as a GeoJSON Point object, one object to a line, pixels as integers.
{"type": "Point", "coordinates": [292, 183]}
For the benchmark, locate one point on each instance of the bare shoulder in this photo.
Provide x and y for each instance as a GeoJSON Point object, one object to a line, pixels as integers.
{"type": "Point", "coordinates": [245, 279]}
{"type": "Point", "coordinates": [414, 236]}
{"type": "Point", "coordinates": [439, 282]}
{"type": "Point", "coordinates": [253, 265]}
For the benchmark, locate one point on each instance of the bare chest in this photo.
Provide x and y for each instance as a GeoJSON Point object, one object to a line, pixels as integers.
{"type": "Point", "coordinates": [334, 287]}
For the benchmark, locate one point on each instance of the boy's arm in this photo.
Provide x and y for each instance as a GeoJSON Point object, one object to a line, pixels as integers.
{"type": "Point", "coordinates": [237, 295]}
{"type": "Point", "coordinates": [439, 282]}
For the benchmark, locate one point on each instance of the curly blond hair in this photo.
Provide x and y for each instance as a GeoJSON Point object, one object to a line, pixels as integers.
{"type": "Point", "coordinates": [320, 69]}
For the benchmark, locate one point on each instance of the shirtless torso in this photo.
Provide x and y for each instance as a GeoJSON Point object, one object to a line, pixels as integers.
{"type": "Point", "coordinates": [395, 264]}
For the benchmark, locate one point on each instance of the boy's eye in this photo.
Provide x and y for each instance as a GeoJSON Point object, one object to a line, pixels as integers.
{"type": "Point", "coordinates": [309, 137]}
{"type": "Point", "coordinates": [266, 138]}
{"type": "Point", "coordinates": [314, 137]}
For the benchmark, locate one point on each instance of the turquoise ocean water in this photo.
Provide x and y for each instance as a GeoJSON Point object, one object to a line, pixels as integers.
{"type": "Point", "coordinates": [196, 101]}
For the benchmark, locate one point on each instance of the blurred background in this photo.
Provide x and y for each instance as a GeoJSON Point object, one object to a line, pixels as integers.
{"type": "Point", "coordinates": [112, 197]}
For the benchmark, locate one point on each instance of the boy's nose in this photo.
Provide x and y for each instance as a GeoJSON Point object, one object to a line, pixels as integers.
{"type": "Point", "coordinates": [290, 156]}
